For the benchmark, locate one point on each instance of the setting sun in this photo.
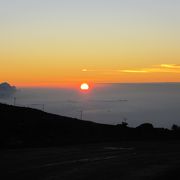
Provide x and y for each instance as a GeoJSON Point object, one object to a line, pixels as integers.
{"type": "Point", "coordinates": [84, 86]}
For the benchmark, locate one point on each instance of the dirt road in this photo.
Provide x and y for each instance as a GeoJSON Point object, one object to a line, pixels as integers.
{"type": "Point", "coordinates": [113, 161]}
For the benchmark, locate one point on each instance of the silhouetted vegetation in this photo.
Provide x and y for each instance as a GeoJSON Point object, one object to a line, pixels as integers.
{"type": "Point", "coordinates": [123, 125]}
{"type": "Point", "coordinates": [175, 127]}
{"type": "Point", "coordinates": [26, 127]}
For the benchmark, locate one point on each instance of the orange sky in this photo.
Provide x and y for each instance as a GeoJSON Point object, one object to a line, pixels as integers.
{"type": "Point", "coordinates": [60, 43]}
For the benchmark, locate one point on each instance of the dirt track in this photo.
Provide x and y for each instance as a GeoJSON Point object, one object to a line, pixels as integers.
{"type": "Point", "coordinates": [126, 161]}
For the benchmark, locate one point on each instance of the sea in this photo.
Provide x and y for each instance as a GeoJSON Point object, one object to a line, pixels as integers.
{"type": "Point", "coordinates": [156, 103]}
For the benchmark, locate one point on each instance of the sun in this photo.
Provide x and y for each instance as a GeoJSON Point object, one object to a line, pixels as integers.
{"type": "Point", "coordinates": [84, 86]}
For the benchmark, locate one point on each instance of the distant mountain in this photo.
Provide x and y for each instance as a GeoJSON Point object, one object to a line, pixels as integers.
{"type": "Point", "coordinates": [26, 127]}
{"type": "Point", "coordinates": [6, 89]}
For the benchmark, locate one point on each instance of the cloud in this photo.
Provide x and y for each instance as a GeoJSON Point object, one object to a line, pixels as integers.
{"type": "Point", "coordinates": [99, 70]}
{"type": "Point", "coordinates": [171, 66]}
{"type": "Point", "coordinates": [84, 70]}
{"type": "Point", "coordinates": [90, 70]}
{"type": "Point", "coordinates": [134, 71]}
{"type": "Point", "coordinates": [161, 68]}
{"type": "Point", "coordinates": [6, 90]}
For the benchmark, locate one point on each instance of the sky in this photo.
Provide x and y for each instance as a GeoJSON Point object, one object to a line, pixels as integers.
{"type": "Point", "coordinates": [57, 42]}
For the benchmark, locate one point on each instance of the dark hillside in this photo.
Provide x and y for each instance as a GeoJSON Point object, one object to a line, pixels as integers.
{"type": "Point", "coordinates": [26, 127]}
{"type": "Point", "coordinates": [20, 126]}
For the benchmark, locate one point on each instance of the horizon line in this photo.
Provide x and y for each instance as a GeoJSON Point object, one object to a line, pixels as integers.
{"type": "Point", "coordinates": [97, 83]}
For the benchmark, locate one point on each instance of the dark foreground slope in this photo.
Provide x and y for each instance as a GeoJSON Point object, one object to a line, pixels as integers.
{"type": "Point", "coordinates": [136, 153]}
{"type": "Point", "coordinates": [26, 127]}
{"type": "Point", "coordinates": [20, 126]}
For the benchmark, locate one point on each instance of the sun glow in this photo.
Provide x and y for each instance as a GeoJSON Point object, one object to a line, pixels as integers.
{"type": "Point", "coordinates": [84, 86]}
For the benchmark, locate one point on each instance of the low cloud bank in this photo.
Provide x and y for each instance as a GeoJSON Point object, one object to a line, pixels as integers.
{"type": "Point", "coordinates": [6, 90]}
